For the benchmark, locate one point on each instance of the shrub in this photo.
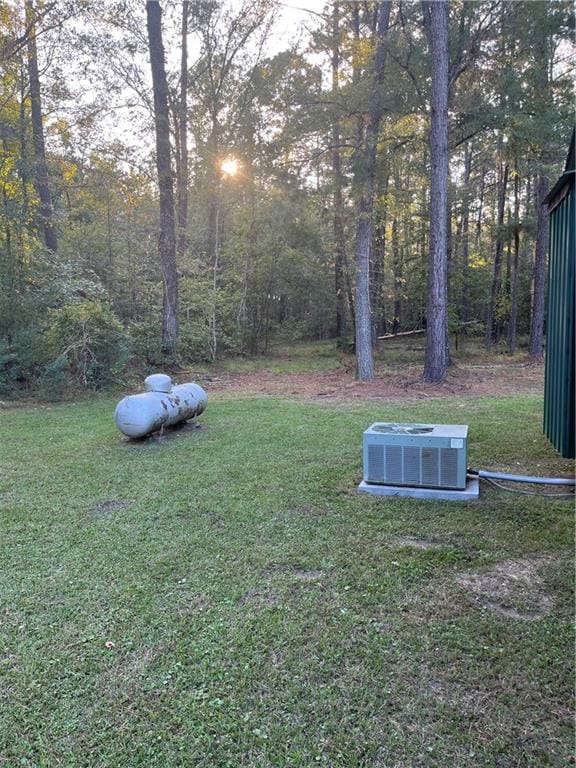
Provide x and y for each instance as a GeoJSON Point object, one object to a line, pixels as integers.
{"type": "Point", "coordinates": [8, 361]}
{"type": "Point", "coordinates": [87, 344]}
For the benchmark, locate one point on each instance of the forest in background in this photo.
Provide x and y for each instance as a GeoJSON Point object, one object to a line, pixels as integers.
{"type": "Point", "coordinates": [274, 165]}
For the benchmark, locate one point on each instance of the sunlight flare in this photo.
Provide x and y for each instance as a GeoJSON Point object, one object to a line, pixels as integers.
{"type": "Point", "coordinates": [230, 166]}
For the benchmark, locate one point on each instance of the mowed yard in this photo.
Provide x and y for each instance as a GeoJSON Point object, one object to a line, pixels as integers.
{"type": "Point", "coordinates": [224, 597]}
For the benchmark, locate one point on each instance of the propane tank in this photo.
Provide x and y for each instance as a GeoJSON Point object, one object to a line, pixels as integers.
{"type": "Point", "coordinates": [162, 405]}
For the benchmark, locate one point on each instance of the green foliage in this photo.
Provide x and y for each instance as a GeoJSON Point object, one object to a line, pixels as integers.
{"type": "Point", "coordinates": [8, 360]}
{"type": "Point", "coordinates": [55, 379]}
{"type": "Point", "coordinates": [511, 102]}
{"type": "Point", "coordinates": [87, 343]}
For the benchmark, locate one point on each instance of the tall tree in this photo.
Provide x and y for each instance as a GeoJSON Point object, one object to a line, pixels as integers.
{"type": "Point", "coordinates": [338, 215]}
{"type": "Point", "coordinates": [436, 358]}
{"type": "Point", "coordinates": [366, 169]}
{"type": "Point", "coordinates": [513, 320]}
{"type": "Point", "coordinates": [167, 239]}
{"type": "Point", "coordinates": [41, 178]}
{"type": "Point", "coordinates": [492, 324]}
{"type": "Point", "coordinates": [543, 51]}
{"type": "Point", "coordinates": [538, 279]}
{"type": "Point", "coordinates": [182, 179]}
{"type": "Point", "coordinates": [465, 236]}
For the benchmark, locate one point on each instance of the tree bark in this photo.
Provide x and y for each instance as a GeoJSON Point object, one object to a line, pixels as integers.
{"type": "Point", "coordinates": [182, 180]}
{"type": "Point", "coordinates": [167, 239]}
{"type": "Point", "coordinates": [492, 330]}
{"type": "Point", "coordinates": [215, 270]}
{"type": "Point", "coordinates": [465, 235]}
{"type": "Point", "coordinates": [397, 271]}
{"type": "Point", "coordinates": [436, 359]}
{"type": "Point", "coordinates": [513, 322]}
{"type": "Point", "coordinates": [378, 297]}
{"type": "Point", "coordinates": [41, 179]}
{"type": "Point", "coordinates": [365, 208]}
{"type": "Point", "coordinates": [338, 220]}
{"type": "Point", "coordinates": [356, 71]}
{"type": "Point", "coordinates": [478, 237]}
{"type": "Point", "coordinates": [538, 298]}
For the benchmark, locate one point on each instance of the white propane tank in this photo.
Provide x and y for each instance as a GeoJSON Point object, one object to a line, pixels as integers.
{"type": "Point", "coordinates": [162, 405]}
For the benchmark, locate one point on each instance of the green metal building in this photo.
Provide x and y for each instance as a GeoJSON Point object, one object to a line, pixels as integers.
{"type": "Point", "coordinates": [559, 387]}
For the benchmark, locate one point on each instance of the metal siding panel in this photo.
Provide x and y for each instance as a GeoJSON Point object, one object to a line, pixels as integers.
{"type": "Point", "coordinates": [375, 459]}
{"type": "Point", "coordinates": [564, 427]}
{"type": "Point", "coordinates": [560, 354]}
{"type": "Point", "coordinates": [393, 464]}
{"type": "Point", "coordinates": [559, 259]}
{"type": "Point", "coordinates": [569, 447]}
{"type": "Point", "coordinates": [430, 466]}
{"type": "Point", "coordinates": [412, 470]}
{"type": "Point", "coordinates": [549, 385]}
{"type": "Point", "coordinates": [563, 389]}
{"type": "Point", "coordinates": [449, 467]}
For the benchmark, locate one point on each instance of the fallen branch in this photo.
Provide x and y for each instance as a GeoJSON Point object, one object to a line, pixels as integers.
{"type": "Point", "coordinates": [422, 330]}
{"type": "Point", "coordinates": [402, 333]}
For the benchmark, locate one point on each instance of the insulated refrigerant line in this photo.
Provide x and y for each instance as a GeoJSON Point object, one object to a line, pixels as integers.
{"type": "Point", "coordinates": [522, 478]}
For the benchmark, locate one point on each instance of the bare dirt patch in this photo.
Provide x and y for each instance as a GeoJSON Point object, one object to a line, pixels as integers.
{"type": "Point", "coordinates": [105, 508]}
{"type": "Point", "coordinates": [513, 588]}
{"type": "Point", "coordinates": [122, 675]}
{"type": "Point", "coordinates": [193, 605]}
{"type": "Point", "coordinates": [296, 573]}
{"type": "Point", "coordinates": [340, 384]}
{"type": "Point", "coordinates": [417, 543]}
{"type": "Point", "coordinates": [260, 598]}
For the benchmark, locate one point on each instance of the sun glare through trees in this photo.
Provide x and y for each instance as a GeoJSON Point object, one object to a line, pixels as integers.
{"type": "Point", "coordinates": [347, 202]}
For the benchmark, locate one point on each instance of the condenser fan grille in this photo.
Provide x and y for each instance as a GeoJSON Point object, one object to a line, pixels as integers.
{"type": "Point", "coordinates": [402, 429]}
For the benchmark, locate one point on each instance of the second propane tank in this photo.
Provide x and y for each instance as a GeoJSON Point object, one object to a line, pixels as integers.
{"type": "Point", "coordinates": [162, 405]}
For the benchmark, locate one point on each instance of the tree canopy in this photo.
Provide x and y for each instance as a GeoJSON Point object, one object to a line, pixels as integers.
{"type": "Point", "coordinates": [323, 228]}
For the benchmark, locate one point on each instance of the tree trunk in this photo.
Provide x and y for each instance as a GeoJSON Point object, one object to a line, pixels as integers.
{"type": "Point", "coordinates": [338, 221]}
{"type": "Point", "coordinates": [515, 266]}
{"type": "Point", "coordinates": [436, 360]}
{"type": "Point", "coordinates": [397, 271]}
{"type": "Point", "coordinates": [537, 316]}
{"type": "Point", "coordinates": [241, 317]}
{"type": "Point", "coordinates": [465, 235]}
{"type": "Point", "coordinates": [349, 294]}
{"type": "Point", "coordinates": [365, 208]}
{"type": "Point", "coordinates": [359, 128]}
{"type": "Point", "coordinates": [167, 239]}
{"type": "Point", "coordinates": [215, 270]}
{"type": "Point", "coordinates": [182, 180]}
{"type": "Point", "coordinates": [492, 331]}
{"type": "Point", "coordinates": [478, 238]}
{"type": "Point", "coordinates": [41, 181]}
{"type": "Point", "coordinates": [378, 265]}
{"type": "Point", "coordinates": [23, 132]}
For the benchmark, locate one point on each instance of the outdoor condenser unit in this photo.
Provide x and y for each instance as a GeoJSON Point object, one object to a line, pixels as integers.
{"type": "Point", "coordinates": [416, 455]}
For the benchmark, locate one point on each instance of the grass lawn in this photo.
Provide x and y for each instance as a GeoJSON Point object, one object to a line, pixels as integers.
{"type": "Point", "coordinates": [293, 358]}
{"type": "Point", "coordinates": [225, 598]}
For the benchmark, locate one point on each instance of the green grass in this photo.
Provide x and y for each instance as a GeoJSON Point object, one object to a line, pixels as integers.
{"type": "Point", "coordinates": [258, 612]}
{"type": "Point", "coordinates": [392, 356]}
{"type": "Point", "coordinates": [293, 358]}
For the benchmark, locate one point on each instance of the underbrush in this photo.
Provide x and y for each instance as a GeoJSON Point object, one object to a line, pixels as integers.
{"type": "Point", "coordinates": [77, 365]}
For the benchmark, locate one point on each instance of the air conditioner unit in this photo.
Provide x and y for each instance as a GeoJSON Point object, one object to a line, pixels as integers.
{"type": "Point", "coordinates": [416, 455]}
